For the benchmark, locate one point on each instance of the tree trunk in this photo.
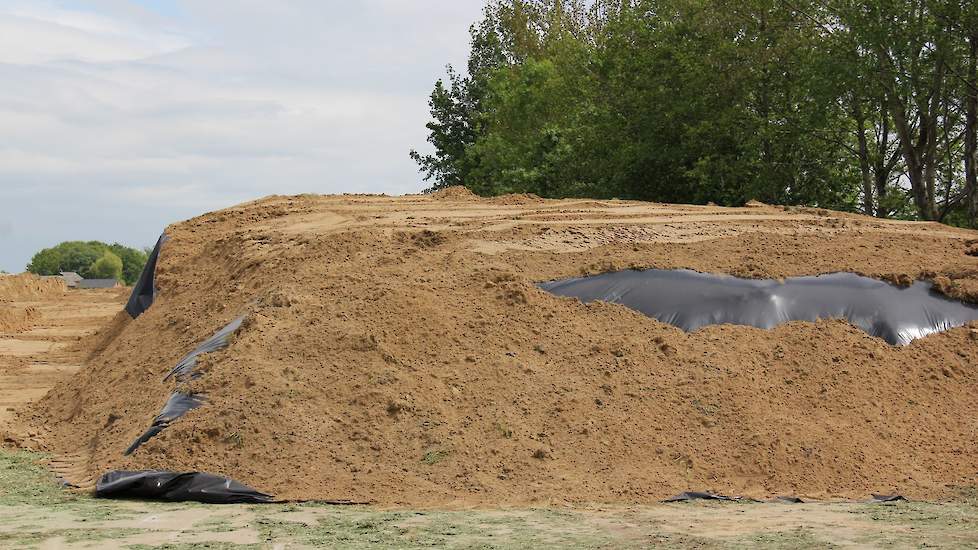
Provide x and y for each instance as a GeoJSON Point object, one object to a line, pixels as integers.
{"type": "Point", "coordinates": [911, 157]}
{"type": "Point", "coordinates": [857, 113]}
{"type": "Point", "coordinates": [885, 163]}
{"type": "Point", "coordinates": [971, 131]}
{"type": "Point", "coordinates": [919, 151]}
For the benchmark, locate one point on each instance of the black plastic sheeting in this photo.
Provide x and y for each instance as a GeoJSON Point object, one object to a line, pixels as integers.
{"type": "Point", "coordinates": [690, 300]}
{"type": "Point", "coordinates": [887, 498]}
{"type": "Point", "coordinates": [690, 496]}
{"type": "Point", "coordinates": [172, 486]}
{"type": "Point", "coordinates": [144, 291]}
{"type": "Point", "coordinates": [185, 367]}
{"type": "Point", "coordinates": [180, 402]}
{"type": "Point", "coordinates": [696, 495]}
{"type": "Point", "coordinates": [186, 486]}
{"type": "Point", "coordinates": [176, 406]}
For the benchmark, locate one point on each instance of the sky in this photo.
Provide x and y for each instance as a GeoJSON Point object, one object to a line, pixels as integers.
{"type": "Point", "coordinates": [120, 117]}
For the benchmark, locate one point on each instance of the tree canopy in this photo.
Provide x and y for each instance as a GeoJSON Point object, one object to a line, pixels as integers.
{"type": "Point", "coordinates": [109, 266]}
{"type": "Point", "coordinates": [91, 260]}
{"type": "Point", "coordinates": [867, 106]}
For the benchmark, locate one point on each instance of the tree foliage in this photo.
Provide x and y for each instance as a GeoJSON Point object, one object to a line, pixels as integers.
{"type": "Point", "coordinates": [109, 266]}
{"type": "Point", "coordinates": [91, 260]}
{"type": "Point", "coordinates": [864, 106]}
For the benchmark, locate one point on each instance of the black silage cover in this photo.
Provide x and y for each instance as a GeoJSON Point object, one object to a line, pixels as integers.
{"type": "Point", "coordinates": [690, 300]}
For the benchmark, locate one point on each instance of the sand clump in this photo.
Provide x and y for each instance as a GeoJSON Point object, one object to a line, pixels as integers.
{"type": "Point", "coordinates": [397, 351]}
{"type": "Point", "coordinates": [15, 319]}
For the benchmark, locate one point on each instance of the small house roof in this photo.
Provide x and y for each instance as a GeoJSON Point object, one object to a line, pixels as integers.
{"type": "Point", "coordinates": [71, 278]}
{"type": "Point", "coordinates": [98, 283]}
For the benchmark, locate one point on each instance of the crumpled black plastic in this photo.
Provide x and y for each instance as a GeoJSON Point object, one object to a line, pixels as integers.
{"type": "Point", "coordinates": [180, 402]}
{"type": "Point", "coordinates": [185, 367]}
{"type": "Point", "coordinates": [176, 406]}
{"type": "Point", "coordinates": [173, 487]}
{"type": "Point", "coordinates": [696, 495]}
{"type": "Point", "coordinates": [144, 291]}
{"type": "Point", "coordinates": [888, 498]}
{"type": "Point", "coordinates": [690, 300]}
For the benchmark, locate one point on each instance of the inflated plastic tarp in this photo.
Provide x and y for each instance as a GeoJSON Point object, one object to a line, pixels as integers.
{"type": "Point", "coordinates": [181, 401]}
{"type": "Point", "coordinates": [172, 486]}
{"type": "Point", "coordinates": [144, 291]}
{"type": "Point", "coordinates": [690, 300]}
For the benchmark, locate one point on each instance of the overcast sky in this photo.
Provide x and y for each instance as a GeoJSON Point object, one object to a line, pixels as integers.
{"type": "Point", "coordinates": [119, 117]}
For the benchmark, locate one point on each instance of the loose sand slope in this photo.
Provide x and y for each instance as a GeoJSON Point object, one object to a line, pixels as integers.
{"type": "Point", "coordinates": [397, 351]}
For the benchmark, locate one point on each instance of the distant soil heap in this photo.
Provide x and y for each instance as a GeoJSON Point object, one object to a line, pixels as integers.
{"type": "Point", "coordinates": [16, 316]}
{"type": "Point", "coordinates": [27, 286]}
{"type": "Point", "coordinates": [397, 351]}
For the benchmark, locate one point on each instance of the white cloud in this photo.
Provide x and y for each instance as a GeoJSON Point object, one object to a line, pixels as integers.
{"type": "Point", "coordinates": [147, 115]}
{"type": "Point", "coordinates": [38, 33]}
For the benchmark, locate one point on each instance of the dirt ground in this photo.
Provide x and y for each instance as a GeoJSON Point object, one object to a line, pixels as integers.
{"type": "Point", "coordinates": [36, 513]}
{"type": "Point", "coordinates": [45, 319]}
{"type": "Point", "coordinates": [397, 351]}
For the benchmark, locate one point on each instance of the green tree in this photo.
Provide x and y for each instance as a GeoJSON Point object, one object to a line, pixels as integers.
{"type": "Point", "coordinates": [133, 260]}
{"type": "Point", "coordinates": [456, 108]}
{"type": "Point", "coordinates": [109, 266]}
{"type": "Point", "coordinates": [81, 256]}
{"type": "Point", "coordinates": [868, 106]}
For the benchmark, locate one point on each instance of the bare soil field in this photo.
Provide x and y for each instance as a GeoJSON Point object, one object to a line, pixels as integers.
{"type": "Point", "coordinates": [396, 351]}
{"type": "Point", "coordinates": [40, 319]}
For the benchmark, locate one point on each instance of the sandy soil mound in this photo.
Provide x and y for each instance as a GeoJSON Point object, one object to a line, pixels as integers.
{"type": "Point", "coordinates": [397, 351]}
{"type": "Point", "coordinates": [455, 192]}
{"type": "Point", "coordinates": [517, 198]}
{"type": "Point", "coordinates": [27, 286]}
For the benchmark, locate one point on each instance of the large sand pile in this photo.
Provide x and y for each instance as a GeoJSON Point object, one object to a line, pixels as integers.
{"type": "Point", "coordinates": [397, 351]}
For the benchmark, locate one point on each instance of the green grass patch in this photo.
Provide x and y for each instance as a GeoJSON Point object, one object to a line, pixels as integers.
{"type": "Point", "coordinates": [434, 457]}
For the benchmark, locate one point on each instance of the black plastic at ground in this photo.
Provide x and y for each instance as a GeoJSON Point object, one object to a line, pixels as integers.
{"type": "Point", "coordinates": [696, 495]}
{"type": "Point", "coordinates": [174, 487]}
{"type": "Point", "coordinates": [690, 300]}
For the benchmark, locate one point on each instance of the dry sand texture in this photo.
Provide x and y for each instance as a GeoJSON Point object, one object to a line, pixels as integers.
{"type": "Point", "coordinates": [396, 351]}
{"type": "Point", "coordinates": [17, 292]}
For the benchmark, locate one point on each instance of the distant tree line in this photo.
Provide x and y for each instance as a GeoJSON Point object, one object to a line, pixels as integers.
{"type": "Point", "coordinates": [869, 106]}
{"type": "Point", "coordinates": [91, 260]}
